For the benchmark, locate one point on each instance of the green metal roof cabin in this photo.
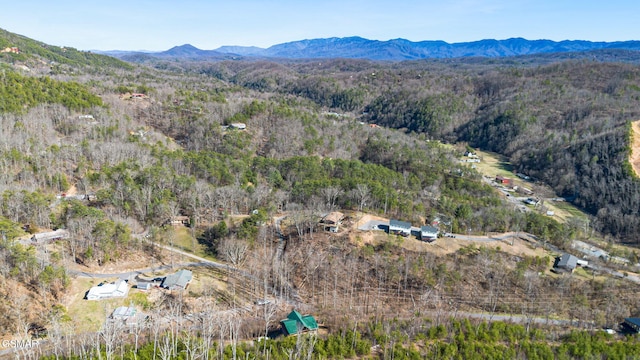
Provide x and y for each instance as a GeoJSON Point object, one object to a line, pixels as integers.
{"type": "Point", "coordinates": [296, 323]}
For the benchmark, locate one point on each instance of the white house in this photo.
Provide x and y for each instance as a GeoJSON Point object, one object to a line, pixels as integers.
{"type": "Point", "coordinates": [119, 288]}
{"type": "Point", "coordinates": [428, 233]}
{"type": "Point", "coordinates": [45, 237]}
{"type": "Point", "coordinates": [398, 227]}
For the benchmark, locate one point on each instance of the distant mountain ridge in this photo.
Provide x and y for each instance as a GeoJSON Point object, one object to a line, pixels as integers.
{"type": "Point", "coordinates": [391, 50]}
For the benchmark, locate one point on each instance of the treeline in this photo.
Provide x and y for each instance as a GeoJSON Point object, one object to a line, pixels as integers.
{"type": "Point", "coordinates": [19, 93]}
{"type": "Point", "coordinates": [460, 339]}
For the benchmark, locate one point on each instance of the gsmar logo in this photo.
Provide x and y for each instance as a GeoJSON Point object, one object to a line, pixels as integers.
{"type": "Point", "coordinates": [19, 343]}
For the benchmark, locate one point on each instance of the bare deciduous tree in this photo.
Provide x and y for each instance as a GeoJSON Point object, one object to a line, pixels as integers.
{"type": "Point", "coordinates": [361, 194]}
{"type": "Point", "coordinates": [233, 250]}
{"type": "Point", "coordinates": [331, 194]}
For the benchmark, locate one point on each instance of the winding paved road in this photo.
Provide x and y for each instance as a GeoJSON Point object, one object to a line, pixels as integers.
{"type": "Point", "coordinates": [200, 262]}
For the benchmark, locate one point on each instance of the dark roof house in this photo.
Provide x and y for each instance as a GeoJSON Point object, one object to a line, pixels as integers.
{"type": "Point", "coordinates": [296, 323]}
{"type": "Point", "coordinates": [566, 262]}
{"type": "Point", "coordinates": [398, 227]}
{"type": "Point", "coordinates": [177, 281]}
{"type": "Point", "coordinates": [632, 324]}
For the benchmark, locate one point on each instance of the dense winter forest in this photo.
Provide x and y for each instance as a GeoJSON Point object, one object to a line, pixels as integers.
{"type": "Point", "coordinates": [565, 124]}
{"type": "Point", "coordinates": [112, 152]}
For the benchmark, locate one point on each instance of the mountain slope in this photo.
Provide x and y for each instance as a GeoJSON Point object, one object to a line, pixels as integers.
{"type": "Point", "coordinates": [29, 50]}
{"type": "Point", "coordinates": [401, 49]}
{"type": "Point", "coordinates": [391, 50]}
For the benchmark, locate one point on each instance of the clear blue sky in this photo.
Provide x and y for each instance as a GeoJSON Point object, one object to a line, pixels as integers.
{"type": "Point", "coordinates": [162, 24]}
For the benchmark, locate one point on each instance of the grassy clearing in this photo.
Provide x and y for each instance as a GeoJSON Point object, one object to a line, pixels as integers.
{"type": "Point", "coordinates": [203, 281]}
{"type": "Point", "coordinates": [570, 209]}
{"type": "Point", "coordinates": [185, 241]}
{"type": "Point", "coordinates": [493, 164]}
{"type": "Point", "coordinates": [90, 315]}
{"type": "Point", "coordinates": [562, 213]}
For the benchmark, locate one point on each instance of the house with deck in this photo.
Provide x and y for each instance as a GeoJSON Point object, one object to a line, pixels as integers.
{"type": "Point", "coordinates": [397, 227]}
{"type": "Point", "coordinates": [332, 221]}
{"type": "Point", "coordinates": [428, 233]}
{"type": "Point", "coordinates": [632, 325]}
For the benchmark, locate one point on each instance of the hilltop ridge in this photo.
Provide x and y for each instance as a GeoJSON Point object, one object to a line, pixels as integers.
{"type": "Point", "coordinates": [356, 47]}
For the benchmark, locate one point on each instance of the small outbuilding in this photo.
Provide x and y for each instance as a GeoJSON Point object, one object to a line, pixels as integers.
{"type": "Point", "coordinates": [398, 227]}
{"type": "Point", "coordinates": [503, 180]}
{"type": "Point", "coordinates": [146, 285]}
{"type": "Point", "coordinates": [296, 323]}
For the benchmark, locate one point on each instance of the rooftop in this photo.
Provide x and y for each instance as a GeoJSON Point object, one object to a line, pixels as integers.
{"type": "Point", "coordinates": [123, 312]}
{"type": "Point", "coordinates": [429, 229]}
{"type": "Point", "coordinates": [177, 280]}
{"type": "Point", "coordinates": [567, 261]}
{"type": "Point", "coordinates": [119, 288]}
{"type": "Point", "coordinates": [397, 224]}
{"type": "Point", "coordinates": [333, 217]}
{"type": "Point", "coordinates": [296, 322]}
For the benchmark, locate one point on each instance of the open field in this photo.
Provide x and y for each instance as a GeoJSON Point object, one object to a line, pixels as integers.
{"type": "Point", "coordinates": [492, 165]}
{"type": "Point", "coordinates": [185, 241]}
{"type": "Point", "coordinates": [90, 315]}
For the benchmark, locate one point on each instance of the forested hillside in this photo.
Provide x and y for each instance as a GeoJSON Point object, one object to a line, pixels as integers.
{"type": "Point", "coordinates": [34, 53]}
{"type": "Point", "coordinates": [564, 124]}
{"type": "Point", "coordinates": [254, 154]}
